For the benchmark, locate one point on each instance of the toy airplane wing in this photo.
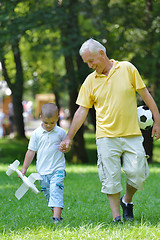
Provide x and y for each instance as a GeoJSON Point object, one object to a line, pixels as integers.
{"type": "Point", "coordinates": [34, 176]}
{"type": "Point", "coordinates": [21, 191]}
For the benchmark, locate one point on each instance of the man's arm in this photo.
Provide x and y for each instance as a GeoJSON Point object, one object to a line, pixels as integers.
{"type": "Point", "coordinates": [78, 119]}
{"type": "Point", "coordinates": [148, 99]}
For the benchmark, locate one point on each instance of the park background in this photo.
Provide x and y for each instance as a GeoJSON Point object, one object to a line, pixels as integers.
{"type": "Point", "coordinates": [39, 54]}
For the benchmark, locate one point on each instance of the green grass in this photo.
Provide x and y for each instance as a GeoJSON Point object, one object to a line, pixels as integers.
{"type": "Point", "coordinates": [87, 214]}
{"type": "Point", "coordinates": [11, 149]}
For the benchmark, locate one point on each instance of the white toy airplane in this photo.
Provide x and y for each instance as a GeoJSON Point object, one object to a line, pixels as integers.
{"type": "Point", "coordinates": [27, 182]}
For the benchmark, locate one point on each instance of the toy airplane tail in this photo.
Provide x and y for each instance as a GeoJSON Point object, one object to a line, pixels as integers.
{"type": "Point", "coordinates": [12, 167]}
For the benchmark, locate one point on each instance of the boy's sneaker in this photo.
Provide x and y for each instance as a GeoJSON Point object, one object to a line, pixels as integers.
{"type": "Point", "coordinates": [118, 220]}
{"type": "Point", "coordinates": [56, 220]}
{"type": "Point", "coordinates": [127, 210]}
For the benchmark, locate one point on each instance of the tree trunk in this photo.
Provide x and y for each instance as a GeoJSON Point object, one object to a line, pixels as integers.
{"type": "Point", "coordinates": [92, 113]}
{"type": "Point", "coordinates": [18, 116]}
{"type": "Point", "coordinates": [70, 33]}
{"type": "Point", "coordinates": [17, 91]}
{"type": "Point", "coordinates": [79, 154]}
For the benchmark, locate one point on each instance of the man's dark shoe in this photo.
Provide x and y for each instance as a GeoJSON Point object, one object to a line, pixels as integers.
{"type": "Point", "coordinates": [127, 210]}
{"type": "Point", "coordinates": [118, 220]}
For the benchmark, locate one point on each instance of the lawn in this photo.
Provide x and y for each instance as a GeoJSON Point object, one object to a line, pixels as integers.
{"type": "Point", "coordinates": [86, 214]}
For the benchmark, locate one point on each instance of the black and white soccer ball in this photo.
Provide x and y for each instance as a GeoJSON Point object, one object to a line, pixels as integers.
{"type": "Point", "coordinates": [145, 118]}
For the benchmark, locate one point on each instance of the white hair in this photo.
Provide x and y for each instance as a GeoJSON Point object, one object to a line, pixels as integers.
{"type": "Point", "coordinates": [92, 45]}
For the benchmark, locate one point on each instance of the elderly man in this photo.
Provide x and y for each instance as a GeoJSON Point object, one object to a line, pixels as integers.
{"type": "Point", "coordinates": [112, 88]}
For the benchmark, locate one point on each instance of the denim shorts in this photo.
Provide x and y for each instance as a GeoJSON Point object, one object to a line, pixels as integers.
{"type": "Point", "coordinates": [130, 150]}
{"type": "Point", "coordinates": [52, 186]}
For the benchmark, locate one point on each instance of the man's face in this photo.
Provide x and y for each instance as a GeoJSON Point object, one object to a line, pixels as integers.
{"type": "Point", "coordinates": [95, 61]}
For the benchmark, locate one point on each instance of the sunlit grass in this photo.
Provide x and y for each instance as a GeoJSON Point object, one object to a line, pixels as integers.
{"type": "Point", "coordinates": [87, 214]}
{"type": "Point", "coordinates": [89, 232]}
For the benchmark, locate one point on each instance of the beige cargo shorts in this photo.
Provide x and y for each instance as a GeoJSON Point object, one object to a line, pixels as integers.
{"type": "Point", "coordinates": [110, 152]}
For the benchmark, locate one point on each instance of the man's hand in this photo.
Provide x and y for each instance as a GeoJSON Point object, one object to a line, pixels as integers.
{"type": "Point", "coordinates": [65, 145]}
{"type": "Point", "coordinates": [156, 131]}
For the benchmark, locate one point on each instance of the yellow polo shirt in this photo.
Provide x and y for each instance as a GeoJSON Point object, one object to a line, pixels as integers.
{"type": "Point", "coordinates": [114, 99]}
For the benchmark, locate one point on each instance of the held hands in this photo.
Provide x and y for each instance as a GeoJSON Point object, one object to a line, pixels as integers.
{"type": "Point", "coordinates": [65, 146]}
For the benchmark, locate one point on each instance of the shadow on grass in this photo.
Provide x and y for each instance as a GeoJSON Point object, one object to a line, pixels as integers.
{"type": "Point", "coordinates": [84, 203]}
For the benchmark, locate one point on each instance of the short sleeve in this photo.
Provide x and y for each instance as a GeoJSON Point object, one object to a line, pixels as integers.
{"type": "Point", "coordinates": [84, 98]}
{"type": "Point", "coordinates": [33, 144]}
{"type": "Point", "coordinates": [136, 79]}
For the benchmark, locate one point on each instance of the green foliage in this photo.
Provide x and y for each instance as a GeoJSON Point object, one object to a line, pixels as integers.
{"type": "Point", "coordinates": [50, 29]}
{"type": "Point", "coordinates": [50, 32]}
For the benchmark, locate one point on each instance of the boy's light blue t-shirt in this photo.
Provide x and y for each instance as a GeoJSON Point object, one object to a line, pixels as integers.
{"type": "Point", "coordinates": [46, 144]}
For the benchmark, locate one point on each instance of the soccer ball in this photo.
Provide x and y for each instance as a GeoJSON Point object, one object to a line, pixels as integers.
{"type": "Point", "coordinates": [145, 118]}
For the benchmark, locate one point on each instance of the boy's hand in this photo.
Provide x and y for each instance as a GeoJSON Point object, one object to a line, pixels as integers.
{"type": "Point", "coordinates": [23, 171]}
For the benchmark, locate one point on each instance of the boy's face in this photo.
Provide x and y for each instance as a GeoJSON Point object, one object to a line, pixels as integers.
{"type": "Point", "coordinates": [49, 123]}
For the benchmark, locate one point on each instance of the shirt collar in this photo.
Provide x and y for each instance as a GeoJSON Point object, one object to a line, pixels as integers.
{"type": "Point", "coordinates": [115, 66]}
{"type": "Point", "coordinates": [44, 131]}
{"type": "Point", "coordinates": [115, 63]}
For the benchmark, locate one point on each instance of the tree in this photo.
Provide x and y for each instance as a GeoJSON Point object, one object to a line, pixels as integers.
{"type": "Point", "coordinates": [17, 17]}
{"type": "Point", "coordinates": [42, 38]}
{"type": "Point", "coordinates": [10, 43]}
{"type": "Point", "coordinates": [150, 58]}
{"type": "Point", "coordinates": [70, 42]}
{"type": "Point", "coordinates": [135, 31]}
{"type": "Point", "coordinates": [16, 88]}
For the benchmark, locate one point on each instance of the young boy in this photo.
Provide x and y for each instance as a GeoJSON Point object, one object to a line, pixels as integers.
{"type": "Point", "coordinates": [50, 164]}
